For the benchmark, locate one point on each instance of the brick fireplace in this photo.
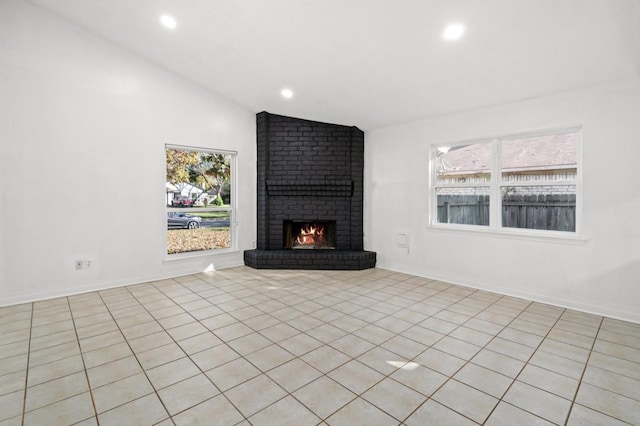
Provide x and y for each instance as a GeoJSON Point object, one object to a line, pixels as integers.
{"type": "Point", "coordinates": [310, 196]}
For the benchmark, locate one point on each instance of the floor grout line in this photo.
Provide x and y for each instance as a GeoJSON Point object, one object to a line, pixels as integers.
{"type": "Point", "coordinates": [584, 370]}
{"type": "Point", "coordinates": [26, 375]}
{"type": "Point", "coordinates": [84, 365]}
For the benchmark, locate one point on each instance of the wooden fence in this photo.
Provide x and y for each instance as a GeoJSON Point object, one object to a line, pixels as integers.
{"type": "Point", "coordinates": [463, 209]}
{"type": "Point", "coordinates": [542, 211]}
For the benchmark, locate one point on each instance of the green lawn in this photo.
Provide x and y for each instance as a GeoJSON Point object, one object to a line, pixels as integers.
{"type": "Point", "coordinates": [212, 215]}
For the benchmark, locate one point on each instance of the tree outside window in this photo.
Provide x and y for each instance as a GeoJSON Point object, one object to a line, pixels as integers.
{"type": "Point", "coordinates": [199, 199]}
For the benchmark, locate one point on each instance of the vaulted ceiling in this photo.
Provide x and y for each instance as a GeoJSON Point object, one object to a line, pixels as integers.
{"type": "Point", "coordinates": [373, 63]}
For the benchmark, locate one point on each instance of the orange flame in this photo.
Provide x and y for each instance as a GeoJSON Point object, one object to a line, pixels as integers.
{"type": "Point", "coordinates": [309, 234]}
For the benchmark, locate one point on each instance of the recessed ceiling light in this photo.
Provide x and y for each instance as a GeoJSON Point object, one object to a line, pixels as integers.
{"type": "Point", "coordinates": [453, 32]}
{"type": "Point", "coordinates": [168, 21]}
{"type": "Point", "coordinates": [287, 93]}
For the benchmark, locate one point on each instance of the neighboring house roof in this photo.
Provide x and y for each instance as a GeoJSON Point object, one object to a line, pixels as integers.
{"type": "Point", "coordinates": [184, 188]}
{"type": "Point", "coordinates": [537, 153]}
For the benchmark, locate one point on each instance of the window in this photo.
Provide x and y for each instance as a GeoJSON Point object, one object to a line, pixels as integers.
{"type": "Point", "coordinates": [199, 199]}
{"type": "Point", "coordinates": [522, 182]}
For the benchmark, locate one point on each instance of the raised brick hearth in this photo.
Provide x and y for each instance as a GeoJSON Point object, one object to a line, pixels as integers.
{"type": "Point", "coordinates": [309, 171]}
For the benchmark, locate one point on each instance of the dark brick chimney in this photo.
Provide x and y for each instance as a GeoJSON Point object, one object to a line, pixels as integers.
{"type": "Point", "coordinates": [309, 171]}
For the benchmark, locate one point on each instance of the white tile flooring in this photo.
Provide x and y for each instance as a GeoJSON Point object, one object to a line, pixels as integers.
{"type": "Point", "coordinates": [263, 347]}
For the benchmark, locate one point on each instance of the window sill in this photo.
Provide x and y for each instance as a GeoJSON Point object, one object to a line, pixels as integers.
{"type": "Point", "coordinates": [199, 254]}
{"type": "Point", "coordinates": [519, 234]}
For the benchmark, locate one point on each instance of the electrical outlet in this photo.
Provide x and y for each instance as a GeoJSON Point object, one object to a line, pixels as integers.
{"type": "Point", "coordinates": [88, 264]}
{"type": "Point", "coordinates": [79, 265]}
{"type": "Point", "coordinates": [253, 244]}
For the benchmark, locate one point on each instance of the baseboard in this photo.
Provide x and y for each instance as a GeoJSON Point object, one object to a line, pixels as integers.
{"type": "Point", "coordinates": [610, 312]}
{"type": "Point", "coordinates": [111, 284]}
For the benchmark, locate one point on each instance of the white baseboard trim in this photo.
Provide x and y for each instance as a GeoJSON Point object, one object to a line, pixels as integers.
{"type": "Point", "coordinates": [35, 297]}
{"type": "Point", "coordinates": [610, 312]}
{"type": "Point", "coordinates": [606, 311]}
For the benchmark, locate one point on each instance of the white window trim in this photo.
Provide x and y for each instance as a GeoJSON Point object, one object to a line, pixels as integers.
{"type": "Point", "coordinates": [495, 215]}
{"type": "Point", "coordinates": [233, 224]}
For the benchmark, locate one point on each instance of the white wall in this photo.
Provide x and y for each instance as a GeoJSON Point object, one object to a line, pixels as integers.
{"type": "Point", "coordinates": [601, 275]}
{"type": "Point", "coordinates": [82, 131]}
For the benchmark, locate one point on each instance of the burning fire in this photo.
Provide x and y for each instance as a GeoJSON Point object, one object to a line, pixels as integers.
{"type": "Point", "coordinates": [310, 234]}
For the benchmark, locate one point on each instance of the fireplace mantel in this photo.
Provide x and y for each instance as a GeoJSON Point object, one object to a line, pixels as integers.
{"type": "Point", "coordinates": [327, 187]}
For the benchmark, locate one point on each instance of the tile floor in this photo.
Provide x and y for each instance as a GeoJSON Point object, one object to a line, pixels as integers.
{"type": "Point", "coordinates": [242, 346]}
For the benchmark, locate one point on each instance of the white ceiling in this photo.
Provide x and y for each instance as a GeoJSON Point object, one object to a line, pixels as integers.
{"type": "Point", "coordinates": [374, 63]}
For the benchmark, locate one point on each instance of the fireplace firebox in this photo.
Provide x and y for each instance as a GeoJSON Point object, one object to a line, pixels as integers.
{"type": "Point", "coordinates": [310, 235]}
{"type": "Point", "coordinates": [309, 196]}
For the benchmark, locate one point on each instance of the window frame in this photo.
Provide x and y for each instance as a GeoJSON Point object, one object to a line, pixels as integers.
{"type": "Point", "coordinates": [232, 208]}
{"type": "Point", "coordinates": [495, 184]}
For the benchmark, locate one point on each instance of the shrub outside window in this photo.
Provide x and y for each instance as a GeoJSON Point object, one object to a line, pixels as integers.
{"type": "Point", "coordinates": [523, 182]}
{"type": "Point", "coordinates": [199, 199]}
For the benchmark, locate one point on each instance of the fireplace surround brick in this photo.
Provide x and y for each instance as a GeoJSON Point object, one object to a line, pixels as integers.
{"type": "Point", "coordinates": [309, 171]}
